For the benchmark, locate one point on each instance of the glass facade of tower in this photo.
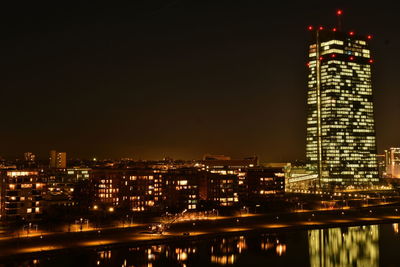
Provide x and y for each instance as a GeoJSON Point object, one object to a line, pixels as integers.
{"type": "Point", "coordinates": [341, 143]}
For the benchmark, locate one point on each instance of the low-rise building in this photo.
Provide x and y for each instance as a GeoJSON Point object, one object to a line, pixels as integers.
{"type": "Point", "coordinates": [107, 185]}
{"type": "Point", "coordinates": [264, 183]}
{"type": "Point", "coordinates": [21, 194]}
{"type": "Point", "coordinates": [222, 189]}
{"type": "Point", "coordinates": [141, 190]}
{"type": "Point", "coordinates": [79, 173]}
{"type": "Point", "coordinates": [131, 190]}
{"type": "Point", "coordinates": [60, 188]}
{"type": "Point", "coordinates": [181, 189]}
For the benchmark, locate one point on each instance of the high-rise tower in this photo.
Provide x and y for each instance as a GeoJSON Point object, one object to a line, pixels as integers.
{"type": "Point", "coordinates": [58, 160]}
{"type": "Point", "coordinates": [341, 145]}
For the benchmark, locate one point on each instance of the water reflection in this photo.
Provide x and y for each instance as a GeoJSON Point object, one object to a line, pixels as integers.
{"type": "Point", "coordinates": [352, 246]}
{"type": "Point", "coordinates": [273, 243]}
{"type": "Point", "coordinates": [219, 251]}
{"type": "Point", "coordinates": [226, 250]}
{"type": "Point", "coordinates": [396, 228]}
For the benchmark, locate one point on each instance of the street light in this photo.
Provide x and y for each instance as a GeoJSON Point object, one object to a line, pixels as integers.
{"type": "Point", "coordinates": [82, 221]}
{"type": "Point", "coordinates": [29, 227]}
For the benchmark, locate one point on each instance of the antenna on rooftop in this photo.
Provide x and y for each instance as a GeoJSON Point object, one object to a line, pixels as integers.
{"type": "Point", "coordinates": [339, 14]}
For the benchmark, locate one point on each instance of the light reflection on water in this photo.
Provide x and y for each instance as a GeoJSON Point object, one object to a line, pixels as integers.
{"type": "Point", "coordinates": [352, 246]}
{"type": "Point", "coordinates": [396, 228]}
{"type": "Point", "coordinates": [336, 247]}
{"type": "Point", "coordinates": [226, 250]}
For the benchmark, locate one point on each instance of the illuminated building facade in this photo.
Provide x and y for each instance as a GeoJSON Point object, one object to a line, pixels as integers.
{"type": "Point", "coordinates": [341, 145]}
{"type": "Point", "coordinates": [381, 165]}
{"type": "Point", "coordinates": [131, 190]}
{"type": "Point", "coordinates": [62, 186]}
{"type": "Point", "coordinates": [59, 188]}
{"type": "Point", "coordinates": [58, 160]}
{"type": "Point", "coordinates": [263, 183]}
{"type": "Point", "coordinates": [78, 173]}
{"type": "Point", "coordinates": [392, 162]}
{"type": "Point", "coordinates": [142, 190]}
{"type": "Point", "coordinates": [29, 156]}
{"type": "Point", "coordinates": [21, 194]}
{"type": "Point", "coordinates": [224, 162]}
{"type": "Point", "coordinates": [220, 188]}
{"type": "Point", "coordinates": [299, 177]}
{"type": "Point", "coordinates": [181, 189]}
{"type": "Point", "coordinates": [29, 161]}
{"type": "Point", "coordinates": [107, 185]}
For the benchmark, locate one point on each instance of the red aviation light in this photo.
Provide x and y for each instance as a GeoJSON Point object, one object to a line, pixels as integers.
{"type": "Point", "coordinates": [371, 61]}
{"type": "Point", "coordinates": [333, 55]}
{"type": "Point", "coordinates": [334, 29]}
{"type": "Point", "coordinates": [321, 28]}
{"type": "Point", "coordinates": [321, 58]}
{"type": "Point", "coordinates": [339, 12]}
{"type": "Point", "coordinates": [308, 64]}
{"type": "Point", "coordinates": [369, 37]}
{"type": "Point", "coordinates": [351, 33]}
{"type": "Point", "coordinates": [310, 28]}
{"type": "Point", "coordinates": [351, 58]}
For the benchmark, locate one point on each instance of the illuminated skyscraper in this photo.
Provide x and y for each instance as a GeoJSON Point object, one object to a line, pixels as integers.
{"type": "Point", "coordinates": [341, 144]}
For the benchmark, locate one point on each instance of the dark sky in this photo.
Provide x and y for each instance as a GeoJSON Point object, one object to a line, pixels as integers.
{"type": "Point", "coordinates": [178, 78]}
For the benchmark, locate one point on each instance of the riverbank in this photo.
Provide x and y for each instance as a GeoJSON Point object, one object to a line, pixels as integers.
{"type": "Point", "coordinates": [186, 231]}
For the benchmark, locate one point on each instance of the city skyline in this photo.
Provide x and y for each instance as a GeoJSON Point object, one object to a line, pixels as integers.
{"type": "Point", "coordinates": [177, 133]}
{"type": "Point", "coordinates": [112, 83]}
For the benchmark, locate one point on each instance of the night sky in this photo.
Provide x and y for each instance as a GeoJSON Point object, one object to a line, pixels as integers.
{"type": "Point", "coordinates": [176, 78]}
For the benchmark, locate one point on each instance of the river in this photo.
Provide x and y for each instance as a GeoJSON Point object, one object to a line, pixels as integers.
{"type": "Point", "coordinates": [369, 245]}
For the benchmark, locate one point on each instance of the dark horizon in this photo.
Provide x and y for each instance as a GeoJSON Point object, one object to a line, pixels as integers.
{"type": "Point", "coordinates": [155, 79]}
